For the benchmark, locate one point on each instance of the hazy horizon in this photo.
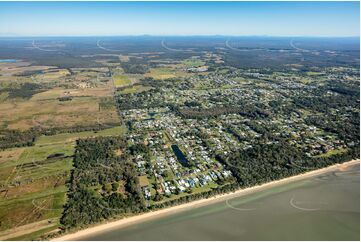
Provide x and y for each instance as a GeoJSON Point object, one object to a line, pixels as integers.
{"type": "Point", "coordinates": [180, 36]}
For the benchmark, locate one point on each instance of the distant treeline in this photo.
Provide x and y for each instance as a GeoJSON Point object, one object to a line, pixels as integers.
{"type": "Point", "coordinates": [134, 68]}
{"type": "Point", "coordinates": [26, 90]}
{"type": "Point", "coordinates": [17, 138]}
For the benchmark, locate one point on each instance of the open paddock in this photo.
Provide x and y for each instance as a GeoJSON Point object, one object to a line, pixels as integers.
{"type": "Point", "coordinates": [52, 75]}
{"type": "Point", "coordinates": [39, 185]}
{"type": "Point", "coordinates": [58, 92]}
{"type": "Point", "coordinates": [143, 181]}
{"type": "Point", "coordinates": [10, 154]}
{"type": "Point", "coordinates": [31, 208]}
{"type": "Point", "coordinates": [70, 137]}
{"type": "Point", "coordinates": [121, 80]}
{"type": "Point", "coordinates": [90, 69]}
{"type": "Point", "coordinates": [193, 62]}
{"type": "Point", "coordinates": [49, 113]}
{"type": "Point", "coordinates": [162, 73]}
{"type": "Point", "coordinates": [134, 89]}
{"type": "Point", "coordinates": [21, 68]}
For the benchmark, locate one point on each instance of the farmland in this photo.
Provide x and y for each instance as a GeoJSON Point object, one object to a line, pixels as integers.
{"type": "Point", "coordinates": [121, 80]}
{"type": "Point", "coordinates": [193, 63]}
{"type": "Point", "coordinates": [163, 73]}
{"type": "Point", "coordinates": [33, 181]}
{"type": "Point", "coordinates": [51, 108]}
{"type": "Point", "coordinates": [56, 101]}
{"type": "Point", "coordinates": [134, 89]}
{"type": "Point", "coordinates": [52, 113]}
{"type": "Point", "coordinates": [37, 101]}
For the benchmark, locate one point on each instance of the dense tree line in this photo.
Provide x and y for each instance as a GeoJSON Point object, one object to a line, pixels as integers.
{"type": "Point", "coordinates": [97, 165]}
{"type": "Point", "coordinates": [17, 138]}
{"type": "Point", "coordinates": [267, 162]}
{"type": "Point", "coordinates": [26, 90]}
{"type": "Point", "coordinates": [344, 88]}
{"type": "Point", "coordinates": [134, 68]}
{"type": "Point", "coordinates": [278, 61]}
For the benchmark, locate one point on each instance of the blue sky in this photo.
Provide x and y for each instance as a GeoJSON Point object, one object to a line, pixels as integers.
{"type": "Point", "coordinates": [179, 18]}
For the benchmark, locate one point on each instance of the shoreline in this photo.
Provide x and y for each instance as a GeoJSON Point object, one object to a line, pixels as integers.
{"type": "Point", "coordinates": [197, 203]}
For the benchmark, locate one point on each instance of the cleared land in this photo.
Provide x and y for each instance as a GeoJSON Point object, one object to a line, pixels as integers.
{"type": "Point", "coordinates": [33, 178]}
{"type": "Point", "coordinates": [134, 89]}
{"type": "Point", "coordinates": [53, 99]}
{"type": "Point", "coordinates": [49, 113]}
{"type": "Point", "coordinates": [162, 73]}
{"type": "Point", "coordinates": [121, 80]}
{"type": "Point", "coordinates": [33, 181]}
{"type": "Point", "coordinates": [191, 63]}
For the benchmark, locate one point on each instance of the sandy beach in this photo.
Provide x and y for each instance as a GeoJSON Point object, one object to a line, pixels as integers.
{"type": "Point", "coordinates": [171, 210]}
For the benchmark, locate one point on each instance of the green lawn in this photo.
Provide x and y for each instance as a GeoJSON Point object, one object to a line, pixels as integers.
{"type": "Point", "coordinates": [333, 152]}
{"type": "Point", "coordinates": [134, 89]}
{"type": "Point", "coordinates": [312, 73]}
{"type": "Point", "coordinates": [190, 63]}
{"type": "Point", "coordinates": [161, 73]}
{"type": "Point", "coordinates": [121, 80]}
{"type": "Point", "coordinates": [205, 188]}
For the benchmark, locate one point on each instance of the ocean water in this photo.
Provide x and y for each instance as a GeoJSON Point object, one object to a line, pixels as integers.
{"type": "Point", "coordinates": [326, 207]}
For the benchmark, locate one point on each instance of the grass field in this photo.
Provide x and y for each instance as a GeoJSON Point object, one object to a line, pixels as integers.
{"type": "Point", "coordinates": [48, 113]}
{"type": "Point", "coordinates": [242, 80]}
{"type": "Point", "coordinates": [69, 137]}
{"type": "Point", "coordinates": [134, 89]}
{"type": "Point", "coordinates": [33, 189]}
{"type": "Point", "coordinates": [16, 68]}
{"type": "Point", "coordinates": [143, 181]}
{"type": "Point", "coordinates": [43, 108]}
{"type": "Point", "coordinates": [332, 152]}
{"type": "Point", "coordinates": [312, 73]}
{"type": "Point", "coordinates": [10, 154]}
{"type": "Point", "coordinates": [194, 190]}
{"type": "Point", "coordinates": [121, 80]}
{"type": "Point", "coordinates": [52, 75]}
{"type": "Point", "coordinates": [61, 92]}
{"type": "Point", "coordinates": [190, 63]}
{"type": "Point", "coordinates": [162, 73]}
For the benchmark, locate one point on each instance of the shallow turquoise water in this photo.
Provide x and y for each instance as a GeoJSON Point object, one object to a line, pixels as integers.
{"type": "Point", "coordinates": [326, 207]}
